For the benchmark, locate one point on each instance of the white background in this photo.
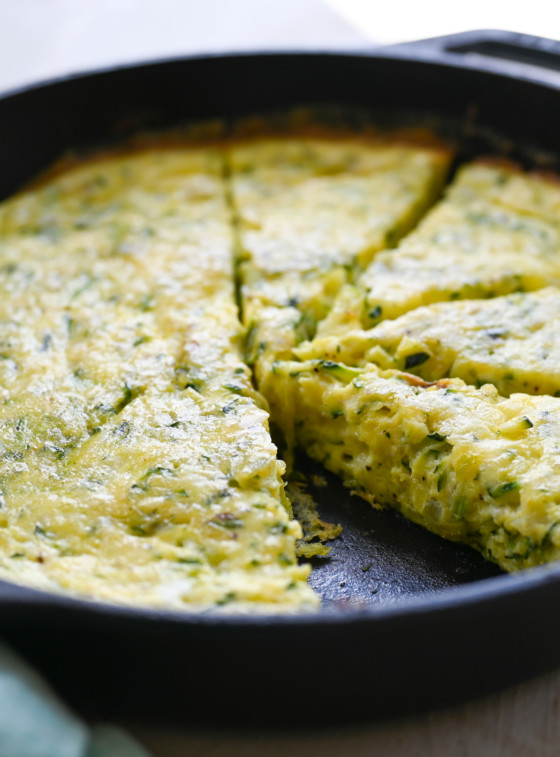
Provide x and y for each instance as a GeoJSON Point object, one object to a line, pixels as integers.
{"type": "Point", "coordinates": [44, 38]}
{"type": "Point", "coordinates": [403, 20]}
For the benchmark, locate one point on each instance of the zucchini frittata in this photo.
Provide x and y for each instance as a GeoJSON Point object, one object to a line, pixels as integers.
{"type": "Point", "coordinates": [512, 342]}
{"type": "Point", "coordinates": [136, 460]}
{"type": "Point", "coordinates": [137, 464]}
{"type": "Point", "coordinates": [311, 214]}
{"type": "Point", "coordinates": [465, 463]}
{"type": "Point", "coordinates": [497, 231]}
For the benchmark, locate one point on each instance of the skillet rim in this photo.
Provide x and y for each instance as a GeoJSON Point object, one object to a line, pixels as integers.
{"type": "Point", "coordinates": [426, 53]}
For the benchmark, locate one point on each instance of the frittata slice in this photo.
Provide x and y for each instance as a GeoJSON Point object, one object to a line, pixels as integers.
{"type": "Point", "coordinates": [497, 231]}
{"type": "Point", "coordinates": [463, 462]}
{"type": "Point", "coordinates": [512, 342]}
{"type": "Point", "coordinates": [136, 461]}
{"type": "Point", "coordinates": [311, 213]}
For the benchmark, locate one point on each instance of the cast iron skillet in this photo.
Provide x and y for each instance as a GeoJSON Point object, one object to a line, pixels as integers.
{"type": "Point", "coordinates": [409, 621]}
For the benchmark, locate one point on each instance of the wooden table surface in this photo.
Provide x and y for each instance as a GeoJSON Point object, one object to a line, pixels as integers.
{"type": "Point", "coordinates": [44, 38]}
{"type": "Point", "coordinates": [521, 722]}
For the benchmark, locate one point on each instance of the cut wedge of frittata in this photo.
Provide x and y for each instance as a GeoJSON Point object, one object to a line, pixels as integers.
{"type": "Point", "coordinates": [497, 231]}
{"type": "Point", "coordinates": [464, 462]}
{"type": "Point", "coordinates": [512, 342]}
{"type": "Point", "coordinates": [136, 460]}
{"type": "Point", "coordinates": [311, 213]}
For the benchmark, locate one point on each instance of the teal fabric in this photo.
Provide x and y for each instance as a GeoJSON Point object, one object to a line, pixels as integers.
{"type": "Point", "coordinates": [108, 741]}
{"type": "Point", "coordinates": [34, 723]}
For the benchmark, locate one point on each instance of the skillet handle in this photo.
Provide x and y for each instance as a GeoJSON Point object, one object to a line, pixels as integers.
{"type": "Point", "coordinates": [492, 48]}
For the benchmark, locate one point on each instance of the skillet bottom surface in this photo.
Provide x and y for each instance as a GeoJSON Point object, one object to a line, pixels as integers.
{"type": "Point", "coordinates": [381, 557]}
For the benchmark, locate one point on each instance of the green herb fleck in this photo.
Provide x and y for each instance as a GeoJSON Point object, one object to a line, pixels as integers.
{"type": "Point", "coordinates": [227, 598]}
{"type": "Point", "coordinates": [278, 528]}
{"type": "Point", "coordinates": [501, 489]}
{"type": "Point", "coordinates": [411, 361]}
{"type": "Point", "coordinates": [285, 560]}
{"type": "Point", "coordinates": [122, 430]}
{"type": "Point", "coordinates": [459, 507]}
{"type": "Point", "coordinates": [235, 388]}
{"type": "Point", "coordinates": [339, 371]}
{"type": "Point", "coordinates": [146, 303]}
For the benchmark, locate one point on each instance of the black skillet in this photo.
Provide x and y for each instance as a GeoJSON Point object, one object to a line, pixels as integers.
{"type": "Point", "coordinates": [409, 621]}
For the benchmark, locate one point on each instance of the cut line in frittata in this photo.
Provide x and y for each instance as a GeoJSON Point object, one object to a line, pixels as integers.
{"type": "Point", "coordinates": [311, 213]}
{"type": "Point", "coordinates": [136, 461]}
{"type": "Point", "coordinates": [495, 232]}
{"type": "Point", "coordinates": [512, 342]}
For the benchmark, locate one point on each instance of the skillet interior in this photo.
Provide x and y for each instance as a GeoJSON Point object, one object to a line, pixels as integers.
{"type": "Point", "coordinates": [397, 646]}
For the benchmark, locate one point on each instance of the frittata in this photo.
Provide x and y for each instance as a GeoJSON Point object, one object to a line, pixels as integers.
{"type": "Point", "coordinates": [465, 463]}
{"type": "Point", "coordinates": [497, 231]}
{"type": "Point", "coordinates": [136, 461]}
{"type": "Point", "coordinates": [512, 342]}
{"type": "Point", "coordinates": [311, 213]}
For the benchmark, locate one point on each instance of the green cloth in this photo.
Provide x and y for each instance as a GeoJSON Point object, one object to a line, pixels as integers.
{"type": "Point", "coordinates": [108, 741]}
{"type": "Point", "coordinates": [34, 723]}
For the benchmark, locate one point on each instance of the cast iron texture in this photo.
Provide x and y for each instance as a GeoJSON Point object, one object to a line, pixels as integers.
{"type": "Point", "coordinates": [409, 622]}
